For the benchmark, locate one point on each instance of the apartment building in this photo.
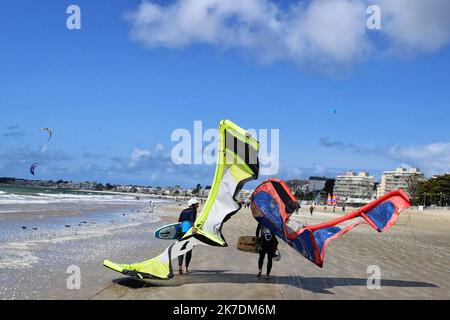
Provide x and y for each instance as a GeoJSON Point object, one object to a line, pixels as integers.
{"type": "Point", "coordinates": [356, 188]}
{"type": "Point", "coordinates": [399, 178]}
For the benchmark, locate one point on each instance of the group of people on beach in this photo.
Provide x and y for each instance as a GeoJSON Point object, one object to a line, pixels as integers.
{"type": "Point", "coordinates": [267, 241]}
{"type": "Point", "coordinates": [312, 208]}
{"type": "Point", "coordinates": [245, 203]}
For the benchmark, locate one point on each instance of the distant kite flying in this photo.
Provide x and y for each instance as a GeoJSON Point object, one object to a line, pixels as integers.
{"type": "Point", "coordinates": [33, 167]}
{"type": "Point", "coordinates": [50, 133]}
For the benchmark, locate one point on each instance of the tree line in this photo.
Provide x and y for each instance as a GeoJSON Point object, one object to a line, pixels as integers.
{"type": "Point", "coordinates": [434, 191]}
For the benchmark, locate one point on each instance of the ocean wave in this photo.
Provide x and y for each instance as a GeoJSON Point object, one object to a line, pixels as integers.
{"type": "Point", "coordinates": [46, 198]}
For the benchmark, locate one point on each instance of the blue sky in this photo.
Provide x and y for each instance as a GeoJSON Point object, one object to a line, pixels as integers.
{"type": "Point", "coordinates": [120, 86]}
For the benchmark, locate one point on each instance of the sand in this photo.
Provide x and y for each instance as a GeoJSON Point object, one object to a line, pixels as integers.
{"type": "Point", "coordinates": [413, 257]}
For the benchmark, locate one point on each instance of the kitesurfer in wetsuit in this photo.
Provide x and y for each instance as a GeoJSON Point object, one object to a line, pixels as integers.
{"type": "Point", "coordinates": [187, 219]}
{"type": "Point", "coordinates": [267, 244]}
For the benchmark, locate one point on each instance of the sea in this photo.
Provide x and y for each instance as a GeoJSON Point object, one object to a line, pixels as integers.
{"type": "Point", "coordinates": [43, 231]}
{"type": "Point", "coordinates": [46, 213]}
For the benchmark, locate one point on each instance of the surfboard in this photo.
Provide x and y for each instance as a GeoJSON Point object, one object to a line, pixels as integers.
{"type": "Point", "coordinates": [249, 244]}
{"type": "Point", "coordinates": [169, 232]}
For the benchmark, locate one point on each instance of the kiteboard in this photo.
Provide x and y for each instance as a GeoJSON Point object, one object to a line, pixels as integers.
{"type": "Point", "coordinates": [169, 232]}
{"type": "Point", "coordinates": [250, 244]}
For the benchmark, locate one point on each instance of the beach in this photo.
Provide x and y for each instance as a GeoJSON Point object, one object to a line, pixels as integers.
{"type": "Point", "coordinates": [42, 235]}
{"type": "Point", "coordinates": [413, 257]}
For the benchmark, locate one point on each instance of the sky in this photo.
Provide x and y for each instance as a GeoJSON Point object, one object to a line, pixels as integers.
{"type": "Point", "coordinates": [343, 97]}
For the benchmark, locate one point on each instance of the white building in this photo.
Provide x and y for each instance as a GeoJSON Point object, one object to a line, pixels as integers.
{"type": "Point", "coordinates": [354, 188]}
{"type": "Point", "coordinates": [393, 180]}
{"type": "Point", "coordinates": [203, 193]}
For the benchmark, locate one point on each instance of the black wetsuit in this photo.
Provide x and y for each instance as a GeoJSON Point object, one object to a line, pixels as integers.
{"type": "Point", "coordinates": [189, 214]}
{"type": "Point", "coordinates": [266, 247]}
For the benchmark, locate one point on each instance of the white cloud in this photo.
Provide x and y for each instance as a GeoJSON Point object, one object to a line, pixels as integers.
{"type": "Point", "coordinates": [318, 32]}
{"type": "Point", "coordinates": [319, 169]}
{"type": "Point", "coordinates": [327, 30]}
{"type": "Point", "coordinates": [295, 172]}
{"type": "Point", "coordinates": [159, 148]}
{"type": "Point", "coordinates": [138, 155]}
{"type": "Point", "coordinates": [25, 153]}
{"type": "Point", "coordinates": [154, 176]}
{"type": "Point", "coordinates": [417, 24]}
{"type": "Point", "coordinates": [406, 165]}
{"type": "Point", "coordinates": [432, 158]}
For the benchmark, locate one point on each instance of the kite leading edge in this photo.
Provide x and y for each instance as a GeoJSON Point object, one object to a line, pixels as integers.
{"type": "Point", "coordinates": [273, 204]}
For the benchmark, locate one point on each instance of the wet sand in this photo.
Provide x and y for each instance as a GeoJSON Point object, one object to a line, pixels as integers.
{"type": "Point", "coordinates": [414, 259]}
{"type": "Point", "coordinates": [34, 263]}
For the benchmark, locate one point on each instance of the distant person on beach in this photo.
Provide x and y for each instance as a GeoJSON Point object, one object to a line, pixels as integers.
{"type": "Point", "coordinates": [152, 207]}
{"type": "Point", "coordinates": [267, 244]}
{"type": "Point", "coordinates": [343, 208]}
{"type": "Point", "coordinates": [187, 219]}
{"type": "Point", "coordinates": [311, 209]}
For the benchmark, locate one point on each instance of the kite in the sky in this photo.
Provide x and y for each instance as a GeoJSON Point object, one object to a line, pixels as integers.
{"type": "Point", "coordinates": [273, 204]}
{"type": "Point", "coordinates": [50, 132]}
{"type": "Point", "coordinates": [33, 167]}
{"type": "Point", "coordinates": [237, 163]}
{"type": "Point", "coordinates": [332, 110]}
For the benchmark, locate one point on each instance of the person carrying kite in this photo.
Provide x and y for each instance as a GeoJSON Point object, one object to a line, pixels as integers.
{"type": "Point", "coordinates": [187, 219]}
{"type": "Point", "coordinates": [267, 244]}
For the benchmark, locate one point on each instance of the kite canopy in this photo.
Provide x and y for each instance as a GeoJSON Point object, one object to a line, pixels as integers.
{"type": "Point", "coordinates": [273, 204]}
{"type": "Point", "coordinates": [237, 163]}
{"type": "Point", "coordinates": [50, 133]}
{"type": "Point", "coordinates": [33, 167]}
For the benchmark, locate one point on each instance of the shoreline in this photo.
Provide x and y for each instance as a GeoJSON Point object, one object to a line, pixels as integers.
{"type": "Point", "coordinates": [106, 192]}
